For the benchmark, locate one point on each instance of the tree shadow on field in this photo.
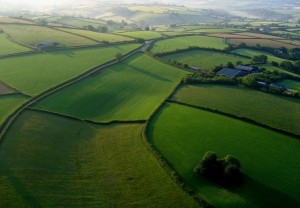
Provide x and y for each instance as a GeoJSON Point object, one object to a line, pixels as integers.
{"type": "Point", "coordinates": [263, 195]}
{"type": "Point", "coordinates": [69, 53]}
{"type": "Point", "coordinates": [19, 186]}
{"type": "Point", "coordinates": [152, 75]}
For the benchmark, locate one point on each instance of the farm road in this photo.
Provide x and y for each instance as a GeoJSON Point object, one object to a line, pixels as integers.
{"type": "Point", "coordinates": [5, 126]}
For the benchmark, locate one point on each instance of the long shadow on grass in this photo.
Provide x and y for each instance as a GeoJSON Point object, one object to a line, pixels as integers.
{"type": "Point", "coordinates": [19, 186]}
{"type": "Point", "coordinates": [265, 196]}
{"type": "Point", "coordinates": [152, 75]}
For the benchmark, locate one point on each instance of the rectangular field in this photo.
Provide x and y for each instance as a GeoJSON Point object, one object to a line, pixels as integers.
{"type": "Point", "coordinates": [33, 74]}
{"type": "Point", "coordinates": [291, 84]}
{"type": "Point", "coordinates": [31, 35]}
{"type": "Point", "coordinates": [262, 36]}
{"type": "Point", "coordinates": [269, 160]}
{"type": "Point", "coordinates": [262, 42]}
{"type": "Point", "coordinates": [205, 59]}
{"type": "Point", "coordinates": [9, 103]}
{"type": "Point", "coordinates": [247, 103]}
{"type": "Point", "coordinates": [131, 90]}
{"type": "Point", "coordinates": [178, 43]}
{"type": "Point", "coordinates": [50, 161]}
{"type": "Point", "coordinates": [98, 36]}
{"type": "Point", "coordinates": [251, 53]}
{"type": "Point", "coordinates": [9, 47]}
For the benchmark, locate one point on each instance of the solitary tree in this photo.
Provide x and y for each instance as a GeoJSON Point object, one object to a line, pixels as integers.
{"type": "Point", "coordinates": [118, 57]}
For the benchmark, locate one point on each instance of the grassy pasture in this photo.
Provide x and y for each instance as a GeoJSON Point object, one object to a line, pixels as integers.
{"type": "Point", "coordinates": [213, 30]}
{"type": "Point", "coordinates": [98, 36]}
{"type": "Point", "coordinates": [36, 73]}
{"type": "Point", "coordinates": [79, 22]}
{"type": "Point", "coordinates": [291, 84]}
{"type": "Point", "coordinates": [147, 35]}
{"type": "Point", "coordinates": [31, 35]}
{"type": "Point", "coordinates": [224, 35]}
{"type": "Point", "coordinates": [186, 42]}
{"type": "Point", "coordinates": [76, 164]}
{"type": "Point", "coordinates": [150, 9]}
{"type": "Point", "coordinates": [251, 53]}
{"type": "Point", "coordinates": [12, 20]}
{"type": "Point", "coordinates": [272, 180]}
{"type": "Point", "coordinates": [246, 103]}
{"type": "Point", "coordinates": [9, 47]}
{"type": "Point", "coordinates": [272, 68]}
{"type": "Point", "coordinates": [262, 42]}
{"type": "Point", "coordinates": [128, 91]}
{"type": "Point", "coordinates": [205, 59]}
{"type": "Point", "coordinates": [9, 103]}
{"type": "Point", "coordinates": [292, 42]}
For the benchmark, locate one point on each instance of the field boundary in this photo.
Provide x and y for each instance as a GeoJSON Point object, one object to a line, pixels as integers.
{"type": "Point", "coordinates": [244, 119]}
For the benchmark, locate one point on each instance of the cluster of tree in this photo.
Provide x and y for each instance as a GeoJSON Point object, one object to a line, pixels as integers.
{"type": "Point", "coordinates": [288, 65]}
{"type": "Point", "coordinates": [225, 171]}
{"type": "Point", "coordinates": [101, 28]}
{"type": "Point", "coordinates": [210, 77]}
{"type": "Point", "coordinates": [262, 59]}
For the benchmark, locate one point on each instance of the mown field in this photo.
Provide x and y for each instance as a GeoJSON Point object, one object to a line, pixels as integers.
{"type": "Point", "coordinates": [291, 84]}
{"type": "Point", "coordinates": [4, 89]}
{"type": "Point", "coordinates": [130, 90]}
{"type": "Point", "coordinates": [146, 35]}
{"type": "Point", "coordinates": [49, 161]}
{"type": "Point", "coordinates": [9, 47]}
{"type": "Point", "coordinates": [188, 41]}
{"type": "Point", "coordinates": [213, 30]}
{"type": "Point", "coordinates": [79, 22]}
{"type": "Point", "coordinates": [251, 53]}
{"type": "Point", "coordinates": [36, 73]}
{"type": "Point", "coordinates": [261, 42]}
{"type": "Point", "coordinates": [263, 36]}
{"type": "Point", "coordinates": [269, 160]}
{"type": "Point", "coordinates": [244, 102]}
{"type": "Point", "coordinates": [205, 59]}
{"type": "Point", "coordinates": [98, 36]}
{"type": "Point", "coordinates": [31, 35]}
{"type": "Point", "coordinates": [12, 20]}
{"type": "Point", "coordinates": [9, 103]}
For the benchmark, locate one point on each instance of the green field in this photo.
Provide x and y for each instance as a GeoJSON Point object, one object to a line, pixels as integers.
{"type": "Point", "coordinates": [251, 53]}
{"type": "Point", "coordinates": [98, 36]}
{"type": "Point", "coordinates": [36, 73]}
{"type": "Point", "coordinates": [146, 35]}
{"type": "Point", "coordinates": [185, 42]}
{"type": "Point", "coordinates": [31, 35]}
{"type": "Point", "coordinates": [78, 22]}
{"type": "Point", "coordinates": [128, 91]}
{"type": "Point", "coordinates": [272, 68]}
{"type": "Point", "coordinates": [49, 161]}
{"type": "Point", "coordinates": [205, 59]}
{"type": "Point", "coordinates": [269, 160]}
{"type": "Point", "coordinates": [9, 103]}
{"type": "Point", "coordinates": [8, 47]}
{"type": "Point", "coordinates": [291, 84]}
{"type": "Point", "coordinates": [214, 30]}
{"type": "Point", "coordinates": [244, 102]}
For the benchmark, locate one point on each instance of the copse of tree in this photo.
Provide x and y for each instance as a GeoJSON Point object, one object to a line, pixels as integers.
{"type": "Point", "coordinates": [225, 171]}
{"type": "Point", "coordinates": [260, 59]}
{"type": "Point", "coordinates": [103, 29]}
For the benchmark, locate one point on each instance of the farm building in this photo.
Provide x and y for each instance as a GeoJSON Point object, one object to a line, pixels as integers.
{"type": "Point", "coordinates": [238, 71]}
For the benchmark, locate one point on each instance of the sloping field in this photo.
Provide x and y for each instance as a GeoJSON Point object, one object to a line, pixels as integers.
{"type": "Point", "coordinates": [213, 30]}
{"type": "Point", "coordinates": [130, 90]}
{"type": "Point", "coordinates": [9, 104]}
{"type": "Point", "coordinates": [262, 42]}
{"type": "Point", "coordinates": [8, 47]}
{"type": "Point", "coordinates": [36, 73]}
{"type": "Point", "coordinates": [80, 165]}
{"type": "Point", "coordinates": [272, 68]}
{"type": "Point", "coordinates": [224, 35]}
{"type": "Point", "coordinates": [251, 53]}
{"type": "Point", "coordinates": [31, 35]}
{"type": "Point", "coordinates": [205, 59]}
{"type": "Point", "coordinates": [257, 35]}
{"type": "Point", "coordinates": [12, 20]}
{"type": "Point", "coordinates": [79, 22]}
{"type": "Point", "coordinates": [146, 35]}
{"type": "Point", "coordinates": [292, 42]}
{"type": "Point", "coordinates": [269, 160]}
{"type": "Point", "coordinates": [98, 36]}
{"type": "Point", "coordinates": [244, 102]}
{"type": "Point", "coordinates": [291, 84]}
{"type": "Point", "coordinates": [185, 42]}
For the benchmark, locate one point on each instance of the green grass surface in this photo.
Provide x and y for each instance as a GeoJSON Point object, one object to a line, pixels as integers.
{"type": "Point", "coordinates": [128, 91]}
{"type": "Point", "coordinates": [78, 22]}
{"type": "Point", "coordinates": [272, 110]}
{"type": "Point", "coordinates": [291, 84]}
{"type": "Point", "coordinates": [36, 73]}
{"type": "Point", "coordinates": [272, 68]}
{"type": "Point", "coordinates": [269, 160]}
{"type": "Point", "coordinates": [9, 103]}
{"type": "Point", "coordinates": [185, 42]}
{"type": "Point", "coordinates": [31, 35]}
{"type": "Point", "coordinates": [146, 35]}
{"type": "Point", "coordinates": [251, 53]}
{"type": "Point", "coordinates": [98, 36]}
{"type": "Point", "coordinates": [213, 30]}
{"type": "Point", "coordinates": [8, 47]}
{"type": "Point", "coordinates": [49, 161]}
{"type": "Point", "coordinates": [205, 59]}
